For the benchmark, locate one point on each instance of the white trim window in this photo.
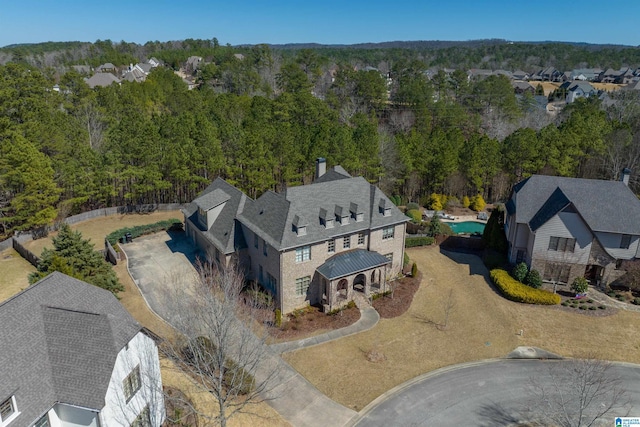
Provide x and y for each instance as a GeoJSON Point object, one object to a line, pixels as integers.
{"type": "Point", "coordinates": [131, 384]}
{"type": "Point", "coordinates": [303, 253]}
{"type": "Point", "coordinates": [562, 244]}
{"type": "Point", "coordinates": [143, 419]}
{"type": "Point", "coordinates": [302, 285]}
{"type": "Point", "coordinates": [331, 246]}
{"type": "Point", "coordinates": [346, 242]}
{"type": "Point", "coordinates": [388, 233]}
{"type": "Point", "coordinates": [360, 239]}
{"type": "Point", "coordinates": [8, 411]}
{"type": "Point", "coordinates": [43, 422]}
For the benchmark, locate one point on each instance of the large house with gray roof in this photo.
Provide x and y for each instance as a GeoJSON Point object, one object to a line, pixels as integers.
{"type": "Point", "coordinates": [312, 244]}
{"type": "Point", "coordinates": [71, 355]}
{"type": "Point", "coordinates": [571, 227]}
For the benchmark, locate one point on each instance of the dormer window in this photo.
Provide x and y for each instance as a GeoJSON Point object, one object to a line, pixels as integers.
{"type": "Point", "coordinates": [299, 226]}
{"type": "Point", "coordinates": [325, 219]}
{"type": "Point", "coordinates": [8, 410]}
{"type": "Point", "coordinates": [384, 207]}
{"type": "Point", "coordinates": [356, 213]}
{"type": "Point", "coordinates": [342, 216]}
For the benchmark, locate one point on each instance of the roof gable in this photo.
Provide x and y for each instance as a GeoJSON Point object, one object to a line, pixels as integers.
{"type": "Point", "coordinates": [605, 206]}
{"type": "Point", "coordinates": [42, 323]}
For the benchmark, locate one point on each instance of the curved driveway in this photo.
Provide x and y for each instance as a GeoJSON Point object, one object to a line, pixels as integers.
{"type": "Point", "coordinates": [489, 393]}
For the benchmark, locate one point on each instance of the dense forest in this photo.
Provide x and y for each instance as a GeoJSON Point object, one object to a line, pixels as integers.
{"type": "Point", "coordinates": [261, 120]}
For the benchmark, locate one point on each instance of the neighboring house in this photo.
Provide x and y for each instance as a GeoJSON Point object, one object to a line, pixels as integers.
{"type": "Point", "coordinates": [134, 75]}
{"type": "Point", "coordinates": [193, 62]}
{"type": "Point", "coordinates": [102, 80]}
{"type": "Point", "coordinates": [106, 68]}
{"type": "Point", "coordinates": [520, 75]}
{"type": "Point", "coordinates": [143, 67]}
{"type": "Point", "coordinates": [588, 74]}
{"type": "Point", "coordinates": [550, 74]}
{"type": "Point", "coordinates": [71, 355]}
{"type": "Point", "coordinates": [521, 87]}
{"type": "Point", "coordinates": [312, 244]}
{"type": "Point", "coordinates": [155, 62]}
{"type": "Point", "coordinates": [570, 227]}
{"type": "Point", "coordinates": [578, 89]}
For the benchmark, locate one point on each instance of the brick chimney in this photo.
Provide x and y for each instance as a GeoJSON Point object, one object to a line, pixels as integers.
{"type": "Point", "coordinates": [625, 176]}
{"type": "Point", "coordinates": [321, 167]}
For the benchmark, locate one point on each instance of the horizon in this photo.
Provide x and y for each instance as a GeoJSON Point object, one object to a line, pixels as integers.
{"type": "Point", "coordinates": [330, 23]}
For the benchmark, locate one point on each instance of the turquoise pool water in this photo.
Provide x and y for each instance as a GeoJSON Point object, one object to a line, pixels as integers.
{"type": "Point", "coordinates": [466, 227]}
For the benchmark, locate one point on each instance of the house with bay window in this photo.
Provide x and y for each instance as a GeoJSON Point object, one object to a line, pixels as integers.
{"type": "Point", "coordinates": [571, 227]}
{"type": "Point", "coordinates": [71, 355]}
{"type": "Point", "coordinates": [312, 244]}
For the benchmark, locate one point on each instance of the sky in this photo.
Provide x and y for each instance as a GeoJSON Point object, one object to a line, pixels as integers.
{"type": "Point", "coordinates": [326, 22]}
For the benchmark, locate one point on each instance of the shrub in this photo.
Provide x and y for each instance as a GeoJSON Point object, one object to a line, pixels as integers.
{"type": "Point", "coordinates": [533, 279]}
{"type": "Point", "coordinates": [493, 260]}
{"type": "Point", "coordinates": [351, 304]}
{"type": "Point", "coordinates": [396, 199]}
{"type": "Point", "coordinates": [583, 307]}
{"type": "Point", "coordinates": [477, 203]}
{"type": "Point", "coordinates": [405, 260]}
{"type": "Point", "coordinates": [602, 307]}
{"type": "Point", "coordinates": [565, 303]}
{"type": "Point", "coordinates": [414, 214]}
{"type": "Point", "coordinates": [141, 230]}
{"type": "Point", "coordinates": [452, 202]}
{"type": "Point", "coordinates": [520, 272]}
{"type": "Point", "coordinates": [436, 201]}
{"type": "Point", "coordinates": [414, 270]}
{"type": "Point", "coordinates": [412, 242]}
{"type": "Point", "coordinates": [580, 285]}
{"type": "Point", "coordinates": [516, 291]}
{"type": "Point", "coordinates": [466, 202]}
{"type": "Point", "coordinates": [412, 206]}
{"type": "Point", "coordinates": [278, 317]}
{"type": "Point", "coordinates": [493, 235]}
{"type": "Point", "coordinates": [636, 301]}
{"type": "Point", "coordinates": [591, 307]}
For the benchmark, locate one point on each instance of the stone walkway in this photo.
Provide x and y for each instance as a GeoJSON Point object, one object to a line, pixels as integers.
{"type": "Point", "coordinates": [604, 299]}
{"type": "Point", "coordinates": [369, 317]}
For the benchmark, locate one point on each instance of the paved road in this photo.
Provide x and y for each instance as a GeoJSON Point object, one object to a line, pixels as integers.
{"type": "Point", "coordinates": [488, 393]}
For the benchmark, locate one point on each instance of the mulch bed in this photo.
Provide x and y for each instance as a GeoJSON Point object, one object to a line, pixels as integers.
{"type": "Point", "coordinates": [397, 303]}
{"type": "Point", "coordinates": [312, 319]}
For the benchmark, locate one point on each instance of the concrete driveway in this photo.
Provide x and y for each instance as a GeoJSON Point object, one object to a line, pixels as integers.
{"type": "Point", "coordinates": [159, 262]}
{"type": "Point", "coordinates": [489, 393]}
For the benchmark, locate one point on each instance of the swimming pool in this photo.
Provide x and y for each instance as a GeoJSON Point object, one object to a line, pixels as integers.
{"type": "Point", "coordinates": [466, 227]}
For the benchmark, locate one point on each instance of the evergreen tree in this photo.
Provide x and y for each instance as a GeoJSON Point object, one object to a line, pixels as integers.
{"type": "Point", "coordinates": [493, 235]}
{"type": "Point", "coordinates": [76, 257]}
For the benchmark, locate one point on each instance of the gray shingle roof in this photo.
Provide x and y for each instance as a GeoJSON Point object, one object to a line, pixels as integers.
{"type": "Point", "coordinates": [60, 338]}
{"type": "Point", "coordinates": [351, 262]}
{"type": "Point", "coordinates": [101, 79]}
{"type": "Point", "coordinates": [224, 232]}
{"type": "Point", "coordinates": [271, 216]}
{"type": "Point", "coordinates": [606, 206]}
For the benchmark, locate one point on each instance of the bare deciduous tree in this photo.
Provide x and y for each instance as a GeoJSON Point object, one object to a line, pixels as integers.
{"type": "Point", "coordinates": [222, 345]}
{"type": "Point", "coordinates": [576, 393]}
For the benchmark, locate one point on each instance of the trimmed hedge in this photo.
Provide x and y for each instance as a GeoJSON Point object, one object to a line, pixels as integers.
{"type": "Point", "coordinates": [412, 242]}
{"type": "Point", "coordinates": [141, 230]}
{"type": "Point", "coordinates": [516, 291]}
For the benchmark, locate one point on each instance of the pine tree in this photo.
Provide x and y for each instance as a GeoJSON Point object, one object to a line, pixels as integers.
{"type": "Point", "coordinates": [76, 257]}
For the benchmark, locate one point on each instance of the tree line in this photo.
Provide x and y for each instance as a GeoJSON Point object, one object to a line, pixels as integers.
{"type": "Point", "coordinates": [260, 122]}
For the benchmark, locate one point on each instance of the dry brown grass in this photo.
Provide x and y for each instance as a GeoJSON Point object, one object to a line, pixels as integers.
{"type": "Point", "coordinates": [481, 325]}
{"type": "Point", "coordinates": [97, 229]}
{"type": "Point", "coordinates": [15, 271]}
{"type": "Point", "coordinates": [547, 87]}
{"type": "Point", "coordinates": [14, 278]}
{"type": "Point", "coordinates": [609, 87]}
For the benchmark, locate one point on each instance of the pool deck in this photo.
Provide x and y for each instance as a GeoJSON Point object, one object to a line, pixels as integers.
{"type": "Point", "coordinates": [464, 218]}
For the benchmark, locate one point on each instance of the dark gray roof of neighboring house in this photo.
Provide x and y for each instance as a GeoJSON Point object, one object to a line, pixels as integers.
{"type": "Point", "coordinates": [272, 215]}
{"type": "Point", "coordinates": [606, 206]}
{"type": "Point", "coordinates": [586, 87]}
{"type": "Point", "coordinates": [60, 338]}
{"type": "Point", "coordinates": [145, 67]}
{"type": "Point", "coordinates": [554, 204]}
{"type": "Point", "coordinates": [223, 233]}
{"type": "Point", "coordinates": [351, 262]}
{"type": "Point", "coordinates": [101, 79]}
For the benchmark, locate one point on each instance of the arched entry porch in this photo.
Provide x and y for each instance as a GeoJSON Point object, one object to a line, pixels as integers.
{"type": "Point", "coordinates": [355, 271]}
